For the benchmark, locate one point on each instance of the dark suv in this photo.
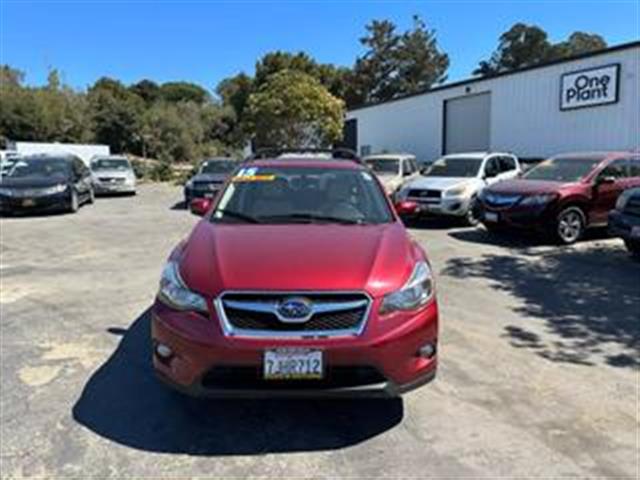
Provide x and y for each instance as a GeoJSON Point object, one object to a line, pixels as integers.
{"type": "Point", "coordinates": [563, 195]}
{"type": "Point", "coordinates": [209, 180]}
{"type": "Point", "coordinates": [624, 221]}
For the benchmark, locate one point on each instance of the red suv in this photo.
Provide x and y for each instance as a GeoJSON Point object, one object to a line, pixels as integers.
{"type": "Point", "coordinates": [300, 280]}
{"type": "Point", "coordinates": [563, 195]}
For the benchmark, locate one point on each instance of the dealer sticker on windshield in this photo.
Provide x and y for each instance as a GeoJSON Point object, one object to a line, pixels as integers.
{"type": "Point", "coordinates": [251, 175]}
{"type": "Point", "coordinates": [293, 364]}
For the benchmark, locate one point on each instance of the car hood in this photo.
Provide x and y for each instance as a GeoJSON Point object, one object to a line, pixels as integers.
{"type": "Point", "coordinates": [209, 177]}
{"type": "Point", "coordinates": [527, 187]}
{"type": "Point", "coordinates": [223, 257]}
{"type": "Point", "coordinates": [440, 183]}
{"type": "Point", "coordinates": [112, 173]}
{"type": "Point", "coordinates": [33, 182]}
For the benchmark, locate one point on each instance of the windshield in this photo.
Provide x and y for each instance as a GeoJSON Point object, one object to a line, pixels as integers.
{"type": "Point", "coordinates": [454, 167]}
{"type": "Point", "coordinates": [384, 165]}
{"type": "Point", "coordinates": [302, 195]}
{"type": "Point", "coordinates": [40, 168]}
{"type": "Point", "coordinates": [562, 169]}
{"type": "Point", "coordinates": [110, 164]}
{"type": "Point", "coordinates": [218, 166]}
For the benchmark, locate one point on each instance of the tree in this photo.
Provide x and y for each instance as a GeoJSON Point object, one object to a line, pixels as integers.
{"type": "Point", "coordinates": [183, 92]}
{"type": "Point", "coordinates": [526, 45]}
{"type": "Point", "coordinates": [396, 64]}
{"type": "Point", "coordinates": [521, 46]}
{"type": "Point", "coordinates": [116, 113]}
{"type": "Point", "coordinates": [293, 109]}
{"type": "Point", "coordinates": [148, 90]}
{"type": "Point", "coordinates": [579, 43]}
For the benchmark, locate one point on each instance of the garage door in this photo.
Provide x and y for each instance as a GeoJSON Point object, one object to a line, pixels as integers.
{"type": "Point", "coordinates": [467, 123]}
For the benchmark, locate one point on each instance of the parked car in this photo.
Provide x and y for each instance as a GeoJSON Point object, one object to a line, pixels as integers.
{"type": "Point", "coordinates": [46, 183]}
{"type": "Point", "coordinates": [209, 179]}
{"type": "Point", "coordinates": [113, 174]}
{"type": "Point", "coordinates": [300, 281]}
{"type": "Point", "coordinates": [393, 169]}
{"type": "Point", "coordinates": [624, 221]}
{"type": "Point", "coordinates": [563, 195]}
{"type": "Point", "coordinates": [451, 184]}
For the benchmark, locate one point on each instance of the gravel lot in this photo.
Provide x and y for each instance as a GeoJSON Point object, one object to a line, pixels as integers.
{"type": "Point", "coordinates": [539, 364]}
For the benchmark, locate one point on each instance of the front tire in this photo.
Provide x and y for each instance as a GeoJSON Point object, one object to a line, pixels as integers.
{"type": "Point", "coordinates": [74, 202]}
{"type": "Point", "coordinates": [570, 225]}
{"type": "Point", "coordinates": [92, 196]}
{"type": "Point", "coordinates": [471, 217]}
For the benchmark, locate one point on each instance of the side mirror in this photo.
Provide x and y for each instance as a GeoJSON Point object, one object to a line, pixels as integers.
{"type": "Point", "coordinates": [605, 180]}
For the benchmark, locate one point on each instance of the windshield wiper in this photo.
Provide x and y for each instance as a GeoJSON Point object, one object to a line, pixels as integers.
{"type": "Point", "coordinates": [310, 218]}
{"type": "Point", "coordinates": [238, 215]}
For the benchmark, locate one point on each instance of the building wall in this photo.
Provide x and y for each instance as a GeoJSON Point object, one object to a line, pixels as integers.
{"type": "Point", "coordinates": [525, 114]}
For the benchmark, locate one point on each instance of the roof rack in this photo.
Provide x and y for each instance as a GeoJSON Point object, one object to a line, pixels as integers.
{"type": "Point", "coordinates": [275, 152]}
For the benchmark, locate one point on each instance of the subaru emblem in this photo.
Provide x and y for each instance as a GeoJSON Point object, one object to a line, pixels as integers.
{"type": "Point", "coordinates": [294, 310]}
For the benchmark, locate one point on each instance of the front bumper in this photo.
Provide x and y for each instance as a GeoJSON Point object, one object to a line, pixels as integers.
{"type": "Point", "coordinates": [111, 187]}
{"type": "Point", "coordinates": [199, 348]}
{"type": "Point", "coordinates": [624, 226]}
{"type": "Point", "coordinates": [191, 193]}
{"type": "Point", "coordinates": [45, 203]}
{"type": "Point", "coordinates": [525, 218]}
{"type": "Point", "coordinates": [446, 206]}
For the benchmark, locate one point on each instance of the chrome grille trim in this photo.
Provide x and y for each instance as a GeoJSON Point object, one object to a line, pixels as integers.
{"type": "Point", "coordinates": [230, 330]}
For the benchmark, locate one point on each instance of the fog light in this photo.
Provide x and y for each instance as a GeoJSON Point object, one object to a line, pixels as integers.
{"type": "Point", "coordinates": [427, 351]}
{"type": "Point", "coordinates": [163, 351]}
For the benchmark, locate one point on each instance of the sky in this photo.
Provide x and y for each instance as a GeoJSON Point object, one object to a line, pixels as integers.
{"type": "Point", "coordinates": [204, 41]}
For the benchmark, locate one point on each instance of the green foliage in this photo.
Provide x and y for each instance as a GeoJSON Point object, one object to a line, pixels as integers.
{"type": "Point", "coordinates": [293, 109]}
{"type": "Point", "coordinates": [161, 172]}
{"type": "Point", "coordinates": [396, 64]}
{"type": "Point", "coordinates": [183, 92]}
{"type": "Point", "coordinates": [526, 45]}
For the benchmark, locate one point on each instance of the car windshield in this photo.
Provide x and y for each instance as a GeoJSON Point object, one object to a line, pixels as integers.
{"type": "Point", "coordinates": [218, 166]}
{"type": "Point", "coordinates": [48, 167]}
{"type": "Point", "coordinates": [384, 165]}
{"type": "Point", "coordinates": [110, 164]}
{"type": "Point", "coordinates": [454, 167]}
{"type": "Point", "coordinates": [563, 169]}
{"type": "Point", "coordinates": [282, 195]}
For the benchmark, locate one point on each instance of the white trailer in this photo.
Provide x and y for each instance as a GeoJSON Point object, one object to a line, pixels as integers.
{"type": "Point", "coordinates": [83, 151]}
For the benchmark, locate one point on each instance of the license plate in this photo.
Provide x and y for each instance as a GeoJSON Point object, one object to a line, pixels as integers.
{"type": "Point", "coordinates": [293, 364]}
{"type": "Point", "coordinates": [209, 195]}
{"type": "Point", "coordinates": [28, 202]}
{"type": "Point", "coordinates": [491, 216]}
{"type": "Point", "coordinates": [635, 232]}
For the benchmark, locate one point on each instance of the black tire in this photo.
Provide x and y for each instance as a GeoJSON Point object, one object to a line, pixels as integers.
{"type": "Point", "coordinates": [570, 225]}
{"type": "Point", "coordinates": [471, 217]}
{"type": "Point", "coordinates": [74, 202]}
{"type": "Point", "coordinates": [634, 247]}
{"type": "Point", "coordinates": [492, 228]}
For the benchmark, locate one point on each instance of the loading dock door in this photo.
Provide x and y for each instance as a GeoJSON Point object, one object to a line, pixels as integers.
{"type": "Point", "coordinates": [467, 123]}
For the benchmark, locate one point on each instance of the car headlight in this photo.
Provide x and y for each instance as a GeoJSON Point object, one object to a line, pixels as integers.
{"type": "Point", "coordinates": [189, 184]}
{"type": "Point", "coordinates": [456, 192]}
{"type": "Point", "coordinates": [537, 200]}
{"type": "Point", "coordinates": [8, 192]}
{"type": "Point", "coordinates": [174, 293]}
{"type": "Point", "coordinates": [623, 199]}
{"type": "Point", "coordinates": [55, 189]}
{"type": "Point", "coordinates": [416, 292]}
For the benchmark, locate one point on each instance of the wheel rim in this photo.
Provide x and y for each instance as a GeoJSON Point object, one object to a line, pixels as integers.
{"type": "Point", "coordinates": [471, 218]}
{"type": "Point", "coordinates": [570, 226]}
{"type": "Point", "coordinates": [74, 202]}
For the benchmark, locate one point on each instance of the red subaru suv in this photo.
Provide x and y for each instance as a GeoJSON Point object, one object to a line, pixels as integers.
{"type": "Point", "coordinates": [300, 280]}
{"type": "Point", "coordinates": [563, 195]}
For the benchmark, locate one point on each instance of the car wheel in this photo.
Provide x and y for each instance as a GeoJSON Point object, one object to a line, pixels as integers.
{"type": "Point", "coordinates": [471, 217]}
{"type": "Point", "coordinates": [74, 203]}
{"type": "Point", "coordinates": [570, 225]}
{"type": "Point", "coordinates": [92, 196]}
{"type": "Point", "coordinates": [633, 247]}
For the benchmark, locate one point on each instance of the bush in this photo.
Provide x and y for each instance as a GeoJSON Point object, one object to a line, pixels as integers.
{"type": "Point", "coordinates": [161, 172]}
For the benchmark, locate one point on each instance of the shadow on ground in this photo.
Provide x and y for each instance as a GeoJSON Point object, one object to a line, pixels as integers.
{"type": "Point", "coordinates": [435, 223]}
{"type": "Point", "coordinates": [578, 305]}
{"type": "Point", "coordinates": [518, 238]}
{"type": "Point", "coordinates": [122, 401]}
{"type": "Point", "coordinates": [181, 205]}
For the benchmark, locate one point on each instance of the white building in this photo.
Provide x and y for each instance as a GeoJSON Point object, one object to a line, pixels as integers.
{"type": "Point", "coordinates": [590, 102]}
{"type": "Point", "coordinates": [83, 151]}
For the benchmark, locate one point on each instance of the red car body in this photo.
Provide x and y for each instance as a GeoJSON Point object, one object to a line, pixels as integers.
{"type": "Point", "coordinates": [592, 196]}
{"type": "Point", "coordinates": [385, 357]}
